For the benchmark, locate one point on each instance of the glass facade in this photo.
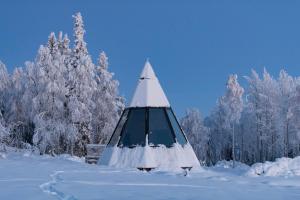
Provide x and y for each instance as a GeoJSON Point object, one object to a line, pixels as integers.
{"type": "Point", "coordinates": [115, 137]}
{"type": "Point", "coordinates": [134, 132]}
{"type": "Point", "coordinates": [177, 130]}
{"type": "Point", "coordinates": [160, 131]}
{"type": "Point", "coordinates": [159, 123]}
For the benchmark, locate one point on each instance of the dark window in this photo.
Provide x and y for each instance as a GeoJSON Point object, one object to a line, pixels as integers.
{"type": "Point", "coordinates": [115, 138]}
{"type": "Point", "coordinates": [159, 128]}
{"type": "Point", "coordinates": [178, 133]}
{"type": "Point", "coordinates": [133, 133]}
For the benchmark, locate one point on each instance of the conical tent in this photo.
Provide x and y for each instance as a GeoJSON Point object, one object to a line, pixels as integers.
{"type": "Point", "coordinates": [148, 134]}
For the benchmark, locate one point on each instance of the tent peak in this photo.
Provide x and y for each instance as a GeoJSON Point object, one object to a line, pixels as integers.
{"type": "Point", "coordinates": [149, 92]}
{"type": "Point", "coordinates": [148, 72]}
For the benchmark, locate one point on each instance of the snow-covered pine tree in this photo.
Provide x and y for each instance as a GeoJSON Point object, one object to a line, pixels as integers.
{"type": "Point", "coordinates": [81, 86]}
{"type": "Point", "coordinates": [53, 133]}
{"type": "Point", "coordinates": [16, 118]}
{"type": "Point", "coordinates": [197, 134]}
{"type": "Point", "coordinates": [64, 46]}
{"type": "Point", "coordinates": [4, 137]}
{"type": "Point", "coordinates": [108, 103]}
{"type": "Point", "coordinates": [60, 41]}
{"type": "Point", "coordinates": [53, 97]}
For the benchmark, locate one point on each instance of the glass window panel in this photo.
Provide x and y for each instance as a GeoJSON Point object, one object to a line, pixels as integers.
{"type": "Point", "coordinates": [178, 132]}
{"type": "Point", "coordinates": [115, 137]}
{"type": "Point", "coordinates": [134, 131]}
{"type": "Point", "coordinates": [159, 129]}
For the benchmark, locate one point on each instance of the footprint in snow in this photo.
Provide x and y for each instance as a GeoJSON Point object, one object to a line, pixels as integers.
{"type": "Point", "coordinates": [49, 187]}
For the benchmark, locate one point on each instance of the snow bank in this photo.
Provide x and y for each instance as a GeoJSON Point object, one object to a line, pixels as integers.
{"type": "Point", "coordinates": [162, 158]}
{"type": "Point", "coordinates": [226, 166]}
{"type": "Point", "coordinates": [281, 167]}
{"type": "Point", "coordinates": [2, 155]}
{"type": "Point", "coordinates": [71, 158]}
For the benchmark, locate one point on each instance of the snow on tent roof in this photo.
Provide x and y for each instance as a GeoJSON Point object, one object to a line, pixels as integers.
{"type": "Point", "coordinates": [149, 93]}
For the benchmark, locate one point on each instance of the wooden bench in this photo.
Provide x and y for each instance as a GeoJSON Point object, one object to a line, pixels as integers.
{"type": "Point", "coordinates": [94, 152]}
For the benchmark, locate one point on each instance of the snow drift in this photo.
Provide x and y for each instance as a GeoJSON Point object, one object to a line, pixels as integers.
{"type": "Point", "coordinates": [281, 167]}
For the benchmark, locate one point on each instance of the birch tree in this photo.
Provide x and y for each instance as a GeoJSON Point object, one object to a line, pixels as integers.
{"type": "Point", "coordinates": [197, 134]}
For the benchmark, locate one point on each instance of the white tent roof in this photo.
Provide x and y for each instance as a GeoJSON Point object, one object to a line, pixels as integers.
{"type": "Point", "coordinates": [148, 92]}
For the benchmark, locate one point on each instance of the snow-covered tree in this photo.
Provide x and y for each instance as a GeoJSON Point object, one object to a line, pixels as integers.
{"type": "Point", "coordinates": [64, 45]}
{"type": "Point", "coordinates": [4, 135]}
{"type": "Point", "coordinates": [220, 133]}
{"type": "Point", "coordinates": [225, 118]}
{"type": "Point", "coordinates": [292, 134]}
{"type": "Point", "coordinates": [108, 103]}
{"type": "Point", "coordinates": [4, 86]}
{"type": "Point", "coordinates": [287, 91]}
{"type": "Point", "coordinates": [232, 103]}
{"type": "Point", "coordinates": [81, 86]}
{"type": "Point", "coordinates": [52, 132]}
{"type": "Point", "coordinates": [17, 118]}
{"type": "Point", "coordinates": [197, 134]}
{"type": "Point", "coordinates": [61, 101]}
{"type": "Point", "coordinates": [262, 101]}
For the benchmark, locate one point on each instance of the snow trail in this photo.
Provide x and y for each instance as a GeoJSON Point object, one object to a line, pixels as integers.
{"type": "Point", "coordinates": [49, 187]}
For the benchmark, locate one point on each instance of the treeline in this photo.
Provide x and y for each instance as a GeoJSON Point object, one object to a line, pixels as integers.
{"type": "Point", "coordinates": [61, 101]}
{"type": "Point", "coordinates": [256, 124]}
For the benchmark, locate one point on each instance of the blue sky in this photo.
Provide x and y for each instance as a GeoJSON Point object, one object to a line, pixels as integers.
{"type": "Point", "coordinates": [192, 45]}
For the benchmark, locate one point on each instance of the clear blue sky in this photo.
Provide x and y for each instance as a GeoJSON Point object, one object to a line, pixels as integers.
{"type": "Point", "coordinates": [193, 46]}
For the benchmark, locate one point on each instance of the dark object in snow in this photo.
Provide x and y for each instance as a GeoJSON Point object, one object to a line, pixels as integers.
{"type": "Point", "coordinates": [147, 169]}
{"type": "Point", "coordinates": [94, 152]}
{"type": "Point", "coordinates": [186, 170]}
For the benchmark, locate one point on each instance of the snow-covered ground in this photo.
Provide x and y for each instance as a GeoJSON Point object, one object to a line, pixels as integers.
{"type": "Point", "coordinates": [25, 176]}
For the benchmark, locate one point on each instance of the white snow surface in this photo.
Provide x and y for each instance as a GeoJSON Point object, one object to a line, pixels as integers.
{"type": "Point", "coordinates": [149, 92]}
{"type": "Point", "coordinates": [162, 158]}
{"type": "Point", "coordinates": [32, 177]}
{"type": "Point", "coordinates": [281, 167]}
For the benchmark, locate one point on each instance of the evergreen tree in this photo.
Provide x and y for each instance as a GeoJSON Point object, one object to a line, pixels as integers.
{"type": "Point", "coordinates": [53, 134]}
{"type": "Point", "coordinates": [81, 86]}
{"type": "Point", "coordinates": [108, 103]}
{"type": "Point", "coordinates": [16, 117]}
{"type": "Point", "coordinates": [61, 101]}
